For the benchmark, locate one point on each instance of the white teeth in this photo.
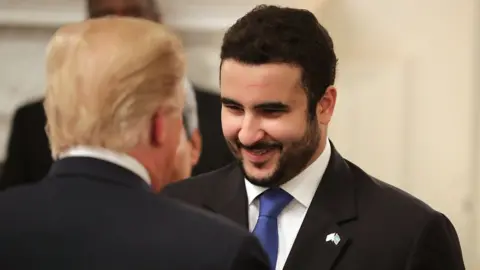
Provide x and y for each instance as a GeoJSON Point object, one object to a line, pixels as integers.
{"type": "Point", "coordinates": [260, 152]}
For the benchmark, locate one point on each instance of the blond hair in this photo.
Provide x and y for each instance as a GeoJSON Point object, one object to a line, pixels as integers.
{"type": "Point", "coordinates": [106, 78]}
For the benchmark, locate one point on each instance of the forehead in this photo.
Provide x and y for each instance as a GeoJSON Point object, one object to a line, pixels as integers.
{"type": "Point", "coordinates": [259, 83]}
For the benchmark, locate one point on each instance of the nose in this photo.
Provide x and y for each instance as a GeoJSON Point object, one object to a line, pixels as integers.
{"type": "Point", "coordinates": [250, 132]}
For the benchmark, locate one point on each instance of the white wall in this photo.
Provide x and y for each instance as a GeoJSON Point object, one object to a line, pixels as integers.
{"type": "Point", "coordinates": [407, 112]}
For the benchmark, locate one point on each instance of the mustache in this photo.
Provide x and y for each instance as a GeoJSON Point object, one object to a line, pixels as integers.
{"type": "Point", "coordinates": [259, 145]}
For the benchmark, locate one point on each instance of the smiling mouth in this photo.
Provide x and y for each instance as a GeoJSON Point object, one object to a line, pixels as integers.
{"type": "Point", "coordinates": [258, 156]}
{"type": "Point", "coordinates": [259, 151]}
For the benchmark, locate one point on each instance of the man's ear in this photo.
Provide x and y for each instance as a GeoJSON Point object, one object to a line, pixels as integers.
{"type": "Point", "coordinates": [196, 141]}
{"type": "Point", "coordinates": [157, 134]}
{"type": "Point", "coordinates": [326, 105]}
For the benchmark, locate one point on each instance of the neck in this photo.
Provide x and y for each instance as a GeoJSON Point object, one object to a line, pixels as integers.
{"type": "Point", "coordinates": [321, 146]}
{"type": "Point", "coordinates": [121, 159]}
{"type": "Point", "coordinates": [156, 167]}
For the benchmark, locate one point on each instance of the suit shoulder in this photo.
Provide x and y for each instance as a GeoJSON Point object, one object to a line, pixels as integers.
{"type": "Point", "coordinates": [201, 224]}
{"type": "Point", "coordinates": [24, 197]}
{"type": "Point", "coordinates": [31, 107]}
{"type": "Point", "coordinates": [381, 196]}
{"type": "Point", "coordinates": [201, 217]}
{"type": "Point", "coordinates": [192, 187]}
{"type": "Point", "coordinates": [226, 239]}
{"type": "Point", "coordinates": [202, 180]}
{"type": "Point", "coordinates": [28, 111]}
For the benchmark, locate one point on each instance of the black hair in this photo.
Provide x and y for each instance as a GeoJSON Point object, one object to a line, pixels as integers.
{"type": "Point", "coordinates": [272, 34]}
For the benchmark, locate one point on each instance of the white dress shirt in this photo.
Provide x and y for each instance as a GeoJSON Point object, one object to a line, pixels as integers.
{"type": "Point", "coordinates": [302, 188]}
{"type": "Point", "coordinates": [122, 160]}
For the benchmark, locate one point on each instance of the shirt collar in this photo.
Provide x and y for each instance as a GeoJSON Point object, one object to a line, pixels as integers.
{"type": "Point", "coordinates": [303, 186]}
{"type": "Point", "coordinates": [120, 159]}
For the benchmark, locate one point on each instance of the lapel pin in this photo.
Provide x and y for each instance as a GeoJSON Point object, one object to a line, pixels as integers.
{"type": "Point", "coordinates": [333, 237]}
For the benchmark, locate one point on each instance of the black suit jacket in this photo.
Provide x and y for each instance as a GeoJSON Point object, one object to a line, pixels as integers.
{"type": "Point", "coordinates": [380, 226]}
{"type": "Point", "coordinates": [28, 156]}
{"type": "Point", "coordinates": [28, 153]}
{"type": "Point", "coordinates": [92, 214]}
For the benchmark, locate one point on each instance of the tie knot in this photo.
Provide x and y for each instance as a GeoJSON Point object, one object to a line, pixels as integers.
{"type": "Point", "coordinates": [272, 202]}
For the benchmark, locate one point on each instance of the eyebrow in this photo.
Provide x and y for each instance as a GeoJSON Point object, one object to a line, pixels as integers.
{"type": "Point", "coordinates": [272, 105]}
{"type": "Point", "coordinates": [229, 101]}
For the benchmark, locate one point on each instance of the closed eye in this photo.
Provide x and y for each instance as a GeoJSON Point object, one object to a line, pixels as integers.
{"type": "Point", "coordinates": [269, 109]}
{"type": "Point", "coordinates": [272, 109]}
{"type": "Point", "coordinates": [233, 107]}
{"type": "Point", "coordinates": [271, 113]}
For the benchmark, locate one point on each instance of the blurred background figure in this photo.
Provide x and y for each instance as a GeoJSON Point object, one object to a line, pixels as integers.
{"type": "Point", "coordinates": [28, 156]}
{"type": "Point", "coordinates": [190, 148]}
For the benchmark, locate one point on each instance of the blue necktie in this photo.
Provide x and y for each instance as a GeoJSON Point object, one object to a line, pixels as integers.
{"type": "Point", "coordinates": [272, 203]}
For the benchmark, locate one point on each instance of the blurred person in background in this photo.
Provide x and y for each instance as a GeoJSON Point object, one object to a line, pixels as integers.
{"type": "Point", "coordinates": [188, 152]}
{"type": "Point", "coordinates": [114, 101]}
{"type": "Point", "coordinates": [28, 157]}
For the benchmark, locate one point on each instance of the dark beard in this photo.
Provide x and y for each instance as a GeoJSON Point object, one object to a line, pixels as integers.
{"type": "Point", "coordinates": [293, 160]}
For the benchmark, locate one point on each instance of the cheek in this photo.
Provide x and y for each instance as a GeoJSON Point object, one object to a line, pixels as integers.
{"type": "Point", "coordinates": [181, 152]}
{"type": "Point", "coordinates": [175, 127]}
{"type": "Point", "coordinates": [283, 131]}
{"type": "Point", "coordinates": [231, 124]}
{"type": "Point", "coordinates": [181, 159]}
{"type": "Point", "coordinates": [181, 143]}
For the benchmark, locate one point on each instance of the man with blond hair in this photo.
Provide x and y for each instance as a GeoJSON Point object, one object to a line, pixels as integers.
{"type": "Point", "coordinates": [114, 103]}
{"type": "Point", "coordinates": [28, 157]}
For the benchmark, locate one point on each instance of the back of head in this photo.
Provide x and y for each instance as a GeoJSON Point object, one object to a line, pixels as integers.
{"type": "Point", "coordinates": [106, 78]}
{"type": "Point", "coordinates": [145, 9]}
{"type": "Point", "coordinates": [148, 9]}
{"type": "Point", "coordinates": [272, 34]}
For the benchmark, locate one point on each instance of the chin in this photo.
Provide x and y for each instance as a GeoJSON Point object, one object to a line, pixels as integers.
{"type": "Point", "coordinates": [260, 176]}
{"type": "Point", "coordinates": [262, 182]}
{"type": "Point", "coordinates": [260, 170]}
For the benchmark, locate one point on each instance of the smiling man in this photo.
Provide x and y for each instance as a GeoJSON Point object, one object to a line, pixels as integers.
{"type": "Point", "coordinates": [310, 207]}
{"type": "Point", "coordinates": [255, 114]}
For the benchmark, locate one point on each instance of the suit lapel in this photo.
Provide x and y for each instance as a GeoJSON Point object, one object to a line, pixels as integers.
{"type": "Point", "coordinates": [332, 206]}
{"type": "Point", "coordinates": [229, 196]}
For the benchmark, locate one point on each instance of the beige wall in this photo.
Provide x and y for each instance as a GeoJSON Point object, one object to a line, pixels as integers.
{"type": "Point", "coordinates": [408, 109]}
